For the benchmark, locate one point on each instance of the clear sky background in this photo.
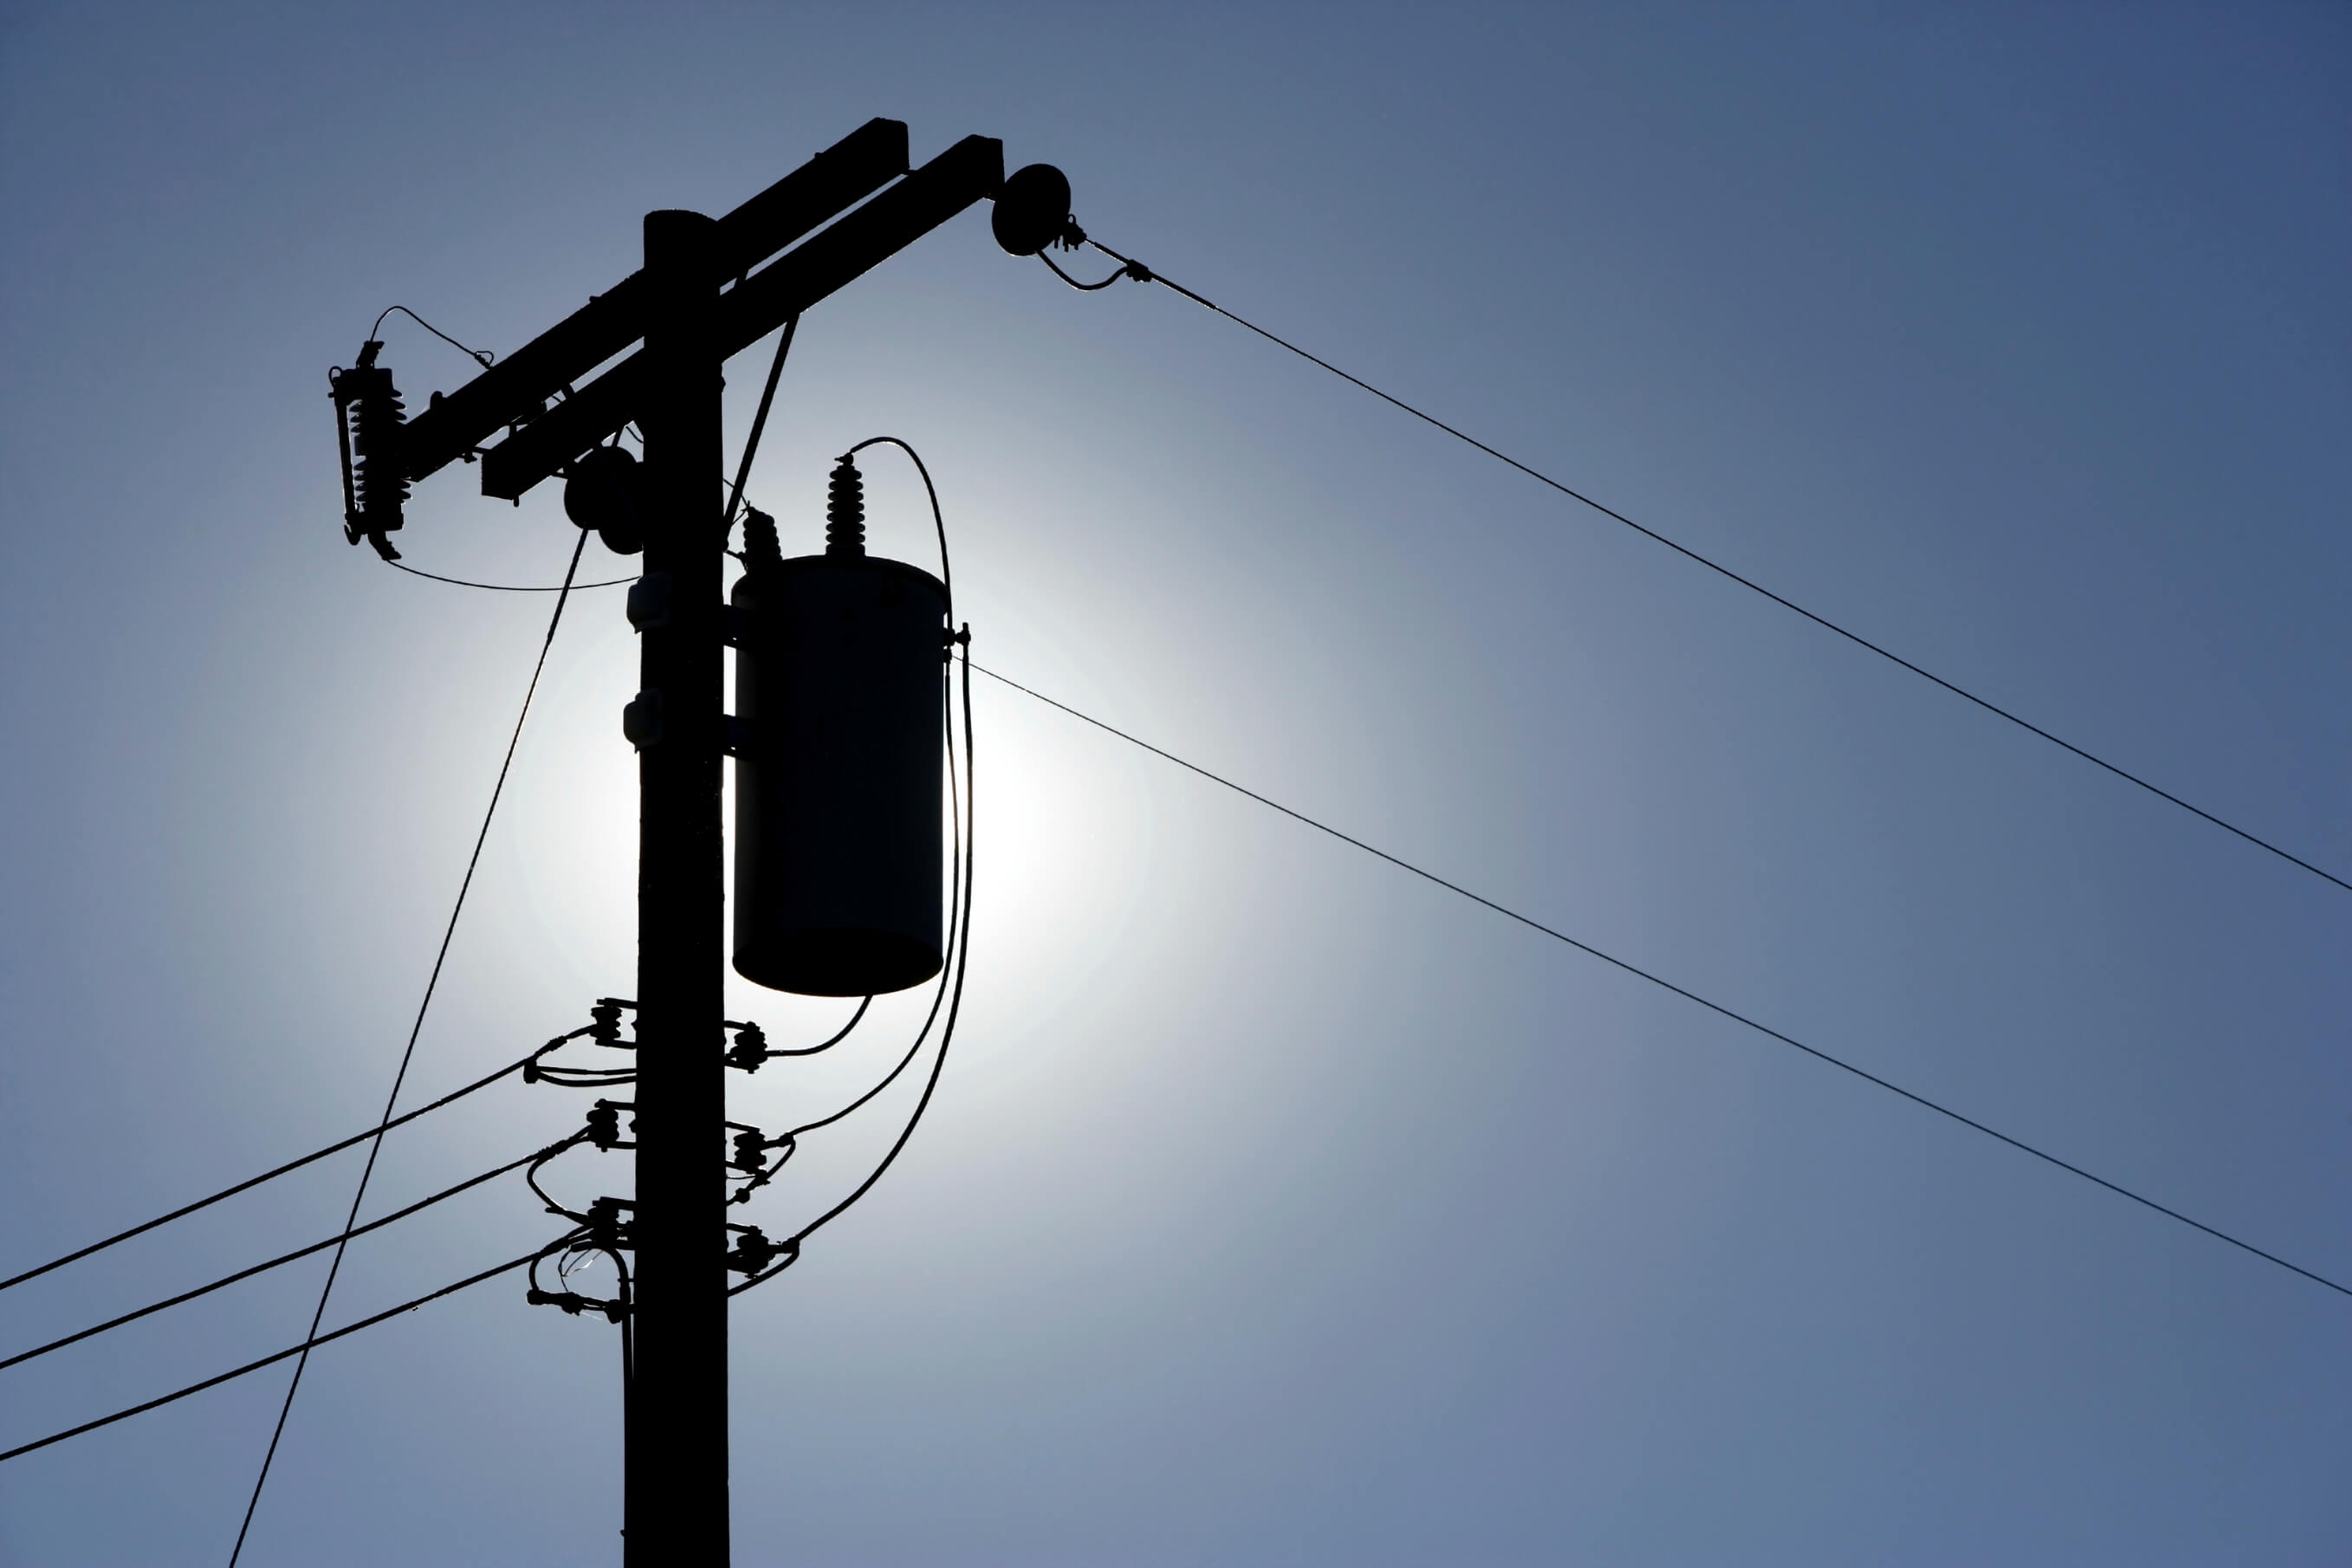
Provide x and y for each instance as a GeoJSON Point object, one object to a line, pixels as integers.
{"type": "Point", "coordinates": [1275, 1207]}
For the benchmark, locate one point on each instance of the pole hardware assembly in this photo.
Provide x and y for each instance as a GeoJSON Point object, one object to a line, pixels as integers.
{"type": "Point", "coordinates": [841, 740]}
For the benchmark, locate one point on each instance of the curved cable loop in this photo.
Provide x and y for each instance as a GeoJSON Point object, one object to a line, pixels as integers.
{"type": "Point", "coordinates": [482, 357]}
{"type": "Point", "coordinates": [946, 574]}
{"type": "Point", "coordinates": [355, 1139]}
{"type": "Point", "coordinates": [614, 1309]}
{"type": "Point", "coordinates": [771, 1054]}
{"type": "Point", "coordinates": [1084, 288]}
{"type": "Point", "coordinates": [539, 1162]}
{"type": "Point", "coordinates": [466, 1185]}
{"type": "Point", "coordinates": [512, 587]}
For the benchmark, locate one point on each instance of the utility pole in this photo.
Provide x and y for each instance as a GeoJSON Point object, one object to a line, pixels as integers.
{"type": "Point", "coordinates": [677, 1441]}
{"type": "Point", "coordinates": [708, 288]}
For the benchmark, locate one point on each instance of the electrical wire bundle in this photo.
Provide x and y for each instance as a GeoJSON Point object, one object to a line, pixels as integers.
{"type": "Point", "coordinates": [526, 1066]}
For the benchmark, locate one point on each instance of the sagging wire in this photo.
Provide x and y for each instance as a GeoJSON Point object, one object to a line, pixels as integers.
{"type": "Point", "coordinates": [605, 1030]}
{"type": "Point", "coordinates": [511, 587]}
{"type": "Point", "coordinates": [482, 357]}
{"type": "Point", "coordinates": [1134, 269]}
{"type": "Point", "coordinates": [939, 522]}
{"type": "Point", "coordinates": [603, 1131]}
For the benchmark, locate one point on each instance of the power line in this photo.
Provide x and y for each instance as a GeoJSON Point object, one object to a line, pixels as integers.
{"type": "Point", "coordinates": [408, 1053]}
{"type": "Point", "coordinates": [1687, 994]}
{"type": "Point", "coordinates": [1142, 274]}
{"type": "Point", "coordinates": [513, 587]}
{"type": "Point", "coordinates": [469, 1185]}
{"type": "Point", "coordinates": [186, 1209]}
{"type": "Point", "coordinates": [303, 1349]}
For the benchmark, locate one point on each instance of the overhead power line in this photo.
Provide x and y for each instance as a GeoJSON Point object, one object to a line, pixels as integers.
{"type": "Point", "coordinates": [1142, 274]}
{"type": "Point", "coordinates": [307, 1345]}
{"type": "Point", "coordinates": [302, 1352]}
{"type": "Point", "coordinates": [469, 1185]}
{"type": "Point", "coordinates": [1639, 972]}
{"type": "Point", "coordinates": [186, 1209]}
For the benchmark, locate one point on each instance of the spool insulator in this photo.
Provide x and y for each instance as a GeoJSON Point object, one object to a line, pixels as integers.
{"type": "Point", "coordinates": [761, 548]}
{"type": "Point", "coordinates": [845, 511]}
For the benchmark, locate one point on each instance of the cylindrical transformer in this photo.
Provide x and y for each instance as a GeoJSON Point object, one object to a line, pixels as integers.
{"type": "Point", "coordinates": [837, 779]}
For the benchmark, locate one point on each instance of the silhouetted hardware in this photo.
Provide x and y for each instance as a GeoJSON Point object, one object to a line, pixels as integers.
{"type": "Point", "coordinates": [750, 1050]}
{"type": "Point", "coordinates": [1033, 210]}
{"type": "Point", "coordinates": [755, 1252]}
{"type": "Point", "coordinates": [839, 742]}
{"type": "Point", "coordinates": [648, 605]}
{"type": "Point", "coordinates": [966, 172]}
{"type": "Point", "coordinates": [369, 421]}
{"type": "Point", "coordinates": [606, 492]}
{"type": "Point", "coordinates": [827, 184]}
{"type": "Point", "coordinates": [837, 793]}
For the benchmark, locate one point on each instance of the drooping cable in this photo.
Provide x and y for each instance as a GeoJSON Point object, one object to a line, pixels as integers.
{"type": "Point", "coordinates": [1142, 274]}
{"type": "Point", "coordinates": [315, 1341]}
{"type": "Point", "coordinates": [482, 357]}
{"type": "Point", "coordinates": [939, 522]}
{"type": "Point", "coordinates": [771, 1053]}
{"type": "Point", "coordinates": [184, 1210]}
{"type": "Point", "coordinates": [469, 1185]}
{"type": "Point", "coordinates": [1046, 256]}
{"type": "Point", "coordinates": [1717, 1007]}
{"type": "Point", "coordinates": [408, 1052]}
{"type": "Point", "coordinates": [512, 587]}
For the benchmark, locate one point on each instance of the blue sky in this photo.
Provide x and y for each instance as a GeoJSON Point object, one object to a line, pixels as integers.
{"type": "Point", "coordinates": [1276, 1207]}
